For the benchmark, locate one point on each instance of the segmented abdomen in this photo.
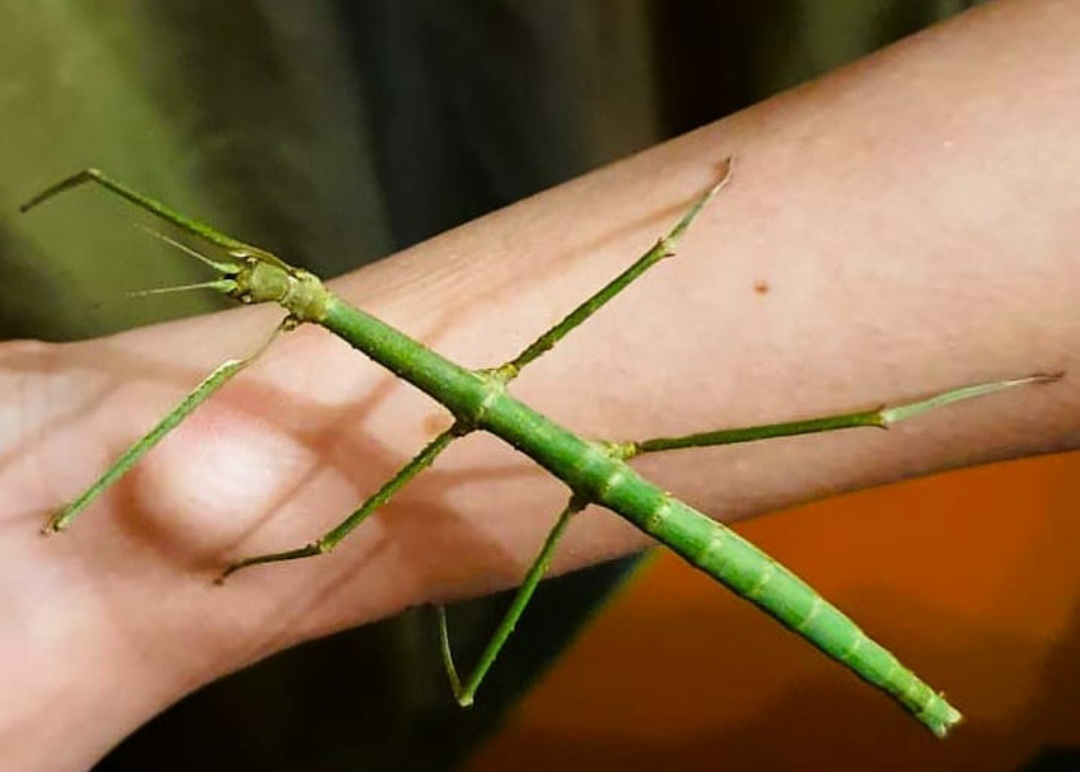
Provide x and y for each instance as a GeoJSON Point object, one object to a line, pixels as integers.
{"type": "Point", "coordinates": [755, 576]}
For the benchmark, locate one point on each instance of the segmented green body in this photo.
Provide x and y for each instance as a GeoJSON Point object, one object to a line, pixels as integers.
{"type": "Point", "coordinates": [597, 473]}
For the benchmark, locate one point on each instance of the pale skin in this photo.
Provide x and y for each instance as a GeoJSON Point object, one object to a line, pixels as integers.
{"type": "Point", "coordinates": [907, 225]}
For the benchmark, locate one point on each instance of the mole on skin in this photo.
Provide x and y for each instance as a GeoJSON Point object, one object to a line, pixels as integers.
{"type": "Point", "coordinates": [761, 287]}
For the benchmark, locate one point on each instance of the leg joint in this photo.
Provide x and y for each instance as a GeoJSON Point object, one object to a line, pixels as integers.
{"type": "Point", "coordinates": [494, 387]}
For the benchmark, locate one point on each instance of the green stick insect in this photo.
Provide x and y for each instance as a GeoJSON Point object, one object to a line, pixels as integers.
{"type": "Point", "coordinates": [595, 472]}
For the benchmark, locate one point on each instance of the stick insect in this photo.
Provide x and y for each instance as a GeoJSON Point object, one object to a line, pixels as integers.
{"type": "Point", "coordinates": [595, 472]}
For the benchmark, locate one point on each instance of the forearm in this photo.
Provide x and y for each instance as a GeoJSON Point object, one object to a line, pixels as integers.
{"type": "Point", "coordinates": [904, 226]}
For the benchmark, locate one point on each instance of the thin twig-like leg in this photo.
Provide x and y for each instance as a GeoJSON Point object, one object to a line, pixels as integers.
{"type": "Point", "coordinates": [465, 691]}
{"type": "Point", "coordinates": [168, 214]}
{"type": "Point", "coordinates": [333, 537]}
{"type": "Point", "coordinates": [880, 417]}
{"type": "Point", "coordinates": [665, 247]}
{"type": "Point", "coordinates": [210, 385]}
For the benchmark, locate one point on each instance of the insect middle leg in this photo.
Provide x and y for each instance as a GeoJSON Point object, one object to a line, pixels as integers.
{"type": "Point", "coordinates": [329, 540]}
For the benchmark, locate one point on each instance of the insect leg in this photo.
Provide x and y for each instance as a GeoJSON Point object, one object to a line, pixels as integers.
{"type": "Point", "coordinates": [235, 247]}
{"type": "Point", "coordinates": [880, 417]}
{"type": "Point", "coordinates": [328, 541]}
{"type": "Point", "coordinates": [211, 384]}
{"type": "Point", "coordinates": [465, 691]}
{"type": "Point", "coordinates": [665, 247]}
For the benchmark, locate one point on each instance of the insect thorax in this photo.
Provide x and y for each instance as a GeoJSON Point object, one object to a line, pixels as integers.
{"type": "Point", "coordinates": [300, 293]}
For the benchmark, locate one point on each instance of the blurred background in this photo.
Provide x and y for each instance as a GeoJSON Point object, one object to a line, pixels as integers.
{"type": "Point", "coordinates": [336, 132]}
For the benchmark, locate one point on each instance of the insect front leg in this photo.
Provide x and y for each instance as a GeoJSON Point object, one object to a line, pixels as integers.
{"type": "Point", "coordinates": [209, 386]}
{"type": "Point", "coordinates": [235, 247]}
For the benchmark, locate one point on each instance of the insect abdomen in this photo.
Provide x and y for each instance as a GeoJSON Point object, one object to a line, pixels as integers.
{"type": "Point", "coordinates": [755, 576]}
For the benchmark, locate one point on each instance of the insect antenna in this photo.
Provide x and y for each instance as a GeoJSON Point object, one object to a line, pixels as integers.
{"type": "Point", "coordinates": [225, 284]}
{"type": "Point", "coordinates": [218, 265]}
